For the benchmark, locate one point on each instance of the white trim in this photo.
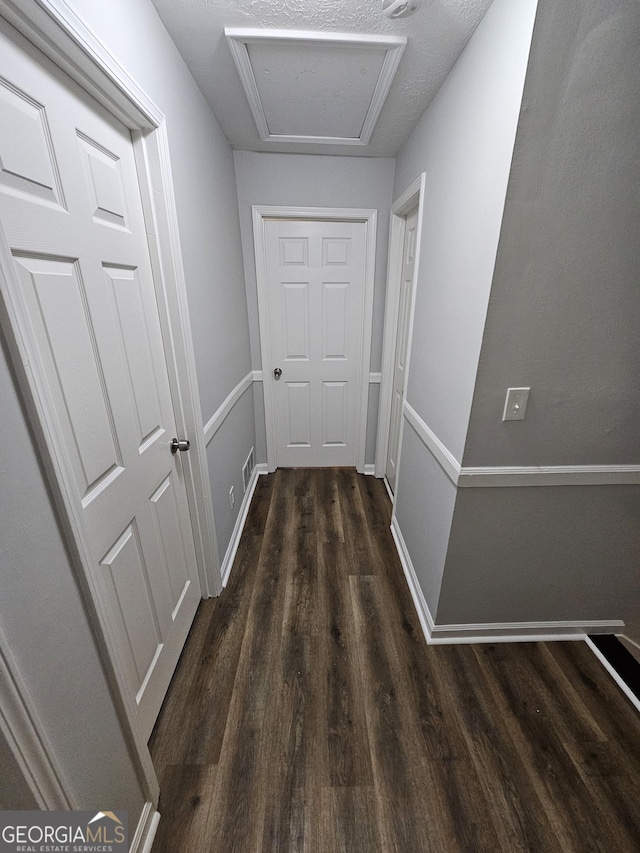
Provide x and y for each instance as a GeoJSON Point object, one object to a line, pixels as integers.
{"type": "Point", "coordinates": [142, 841]}
{"type": "Point", "coordinates": [628, 639]}
{"type": "Point", "coordinates": [419, 601]}
{"type": "Point", "coordinates": [375, 378]}
{"type": "Point", "coordinates": [229, 557]}
{"type": "Point", "coordinates": [154, 169]}
{"type": "Point", "coordinates": [369, 470]}
{"type": "Point", "coordinates": [443, 455]}
{"type": "Point", "coordinates": [26, 737]}
{"type": "Point", "coordinates": [260, 214]}
{"type": "Point", "coordinates": [262, 468]}
{"type": "Point", "coordinates": [257, 375]}
{"type": "Point", "coordinates": [631, 696]}
{"type": "Point", "coordinates": [550, 475]}
{"type": "Point", "coordinates": [505, 476]}
{"type": "Point", "coordinates": [489, 632]}
{"type": "Point", "coordinates": [413, 197]}
{"type": "Point", "coordinates": [239, 37]}
{"type": "Point", "coordinates": [151, 834]}
{"type": "Point", "coordinates": [63, 36]}
{"type": "Point", "coordinates": [214, 423]}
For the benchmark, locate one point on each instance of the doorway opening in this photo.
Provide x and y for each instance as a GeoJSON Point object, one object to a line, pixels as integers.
{"type": "Point", "coordinates": [404, 257]}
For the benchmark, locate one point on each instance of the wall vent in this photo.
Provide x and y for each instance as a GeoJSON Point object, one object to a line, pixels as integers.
{"type": "Point", "coordinates": [247, 469]}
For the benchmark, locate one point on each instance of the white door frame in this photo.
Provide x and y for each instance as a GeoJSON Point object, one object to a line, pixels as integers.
{"type": "Point", "coordinates": [261, 214]}
{"type": "Point", "coordinates": [410, 199]}
{"type": "Point", "coordinates": [62, 36]}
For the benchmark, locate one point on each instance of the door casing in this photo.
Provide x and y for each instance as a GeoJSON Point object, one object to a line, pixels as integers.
{"type": "Point", "coordinates": [413, 197]}
{"type": "Point", "coordinates": [62, 36]}
{"type": "Point", "coordinates": [263, 213]}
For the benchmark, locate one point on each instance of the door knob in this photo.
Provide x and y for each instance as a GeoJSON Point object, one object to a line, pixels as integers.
{"type": "Point", "coordinates": [179, 445]}
{"type": "Point", "coordinates": [277, 373]}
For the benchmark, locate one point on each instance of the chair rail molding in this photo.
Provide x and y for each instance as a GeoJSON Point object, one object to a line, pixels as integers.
{"type": "Point", "coordinates": [218, 418]}
{"type": "Point", "coordinates": [498, 476]}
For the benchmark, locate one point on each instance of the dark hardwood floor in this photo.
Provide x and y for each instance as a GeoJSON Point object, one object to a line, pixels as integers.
{"type": "Point", "coordinates": [308, 714]}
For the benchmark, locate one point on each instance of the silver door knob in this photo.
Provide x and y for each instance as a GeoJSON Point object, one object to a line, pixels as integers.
{"type": "Point", "coordinates": [181, 445]}
{"type": "Point", "coordinates": [277, 373]}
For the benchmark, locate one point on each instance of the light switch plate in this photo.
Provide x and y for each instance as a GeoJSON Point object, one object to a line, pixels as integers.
{"type": "Point", "coordinates": [515, 404]}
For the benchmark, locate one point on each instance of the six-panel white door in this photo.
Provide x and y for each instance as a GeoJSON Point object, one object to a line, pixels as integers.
{"type": "Point", "coordinates": [402, 339]}
{"type": "Point", "coordinates": [84, 297]}
{"type": "Point", "coordinates": [316, 292]}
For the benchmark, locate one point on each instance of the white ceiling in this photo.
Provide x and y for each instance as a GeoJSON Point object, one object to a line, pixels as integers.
{"type": "Point", "coordinates": [436, 35]}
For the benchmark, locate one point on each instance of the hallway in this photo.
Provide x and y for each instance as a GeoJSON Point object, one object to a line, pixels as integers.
{"type": "Point", "coordinates": [307, 712]}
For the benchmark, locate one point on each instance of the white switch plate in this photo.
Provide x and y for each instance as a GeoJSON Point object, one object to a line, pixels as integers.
{"type": "Point", "coordinates": [515, 404]}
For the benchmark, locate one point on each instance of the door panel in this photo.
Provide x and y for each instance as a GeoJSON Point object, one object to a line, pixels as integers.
{"type": "Point", "coordinates": [295, 321]}
{"type": "Point", "coordinates": [126, 577]}
{"type": "Point", "coordinates": [57, 305]}
{"type": "Point", "coordinates": [315, 284]}
{"type": "Point", "coordinates": [335, 414]}
{"type": "Point", "coordinates": [335, 320]}
{"type": "Point", "coordinates": [402, 337]}
{"type": "Point", "coordinates": [85, 302]}
{"type": "Point", "coordinates": [297, 420]}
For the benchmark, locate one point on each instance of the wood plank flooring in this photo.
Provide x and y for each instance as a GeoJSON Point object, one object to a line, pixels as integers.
{"type": "Point", "coordinates": [308, 714]}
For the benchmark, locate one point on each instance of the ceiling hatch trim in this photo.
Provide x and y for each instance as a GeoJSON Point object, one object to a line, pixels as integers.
{"type": "Point", "coordinates": [354, 72]}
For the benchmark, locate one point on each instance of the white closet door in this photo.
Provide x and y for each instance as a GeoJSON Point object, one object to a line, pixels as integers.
{"type": "Point", "coordinates": [71, 214]}
{"type": "Point", "coordinates": [315, 281]}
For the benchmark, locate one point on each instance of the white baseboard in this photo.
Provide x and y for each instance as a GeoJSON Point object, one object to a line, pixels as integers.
{"type": "Point", "coordinates": [419, 601]}
{"type": "Point", "coordinates": [232, 548]}
{"type": "Point", "coordinates": [369, 470]}
{"type": "Point", "coordinates": [529, 475]}
{"type": "Point", "coordinates": [612, 672]}
{"type": "Point", "coordinates": [491, 632]}
{"type": "Point", "coordinates": [262, 468]}
{"type": "Point", "coordinates": [142, 841]}
{"type": "Point", "coordinates": [518, 632]}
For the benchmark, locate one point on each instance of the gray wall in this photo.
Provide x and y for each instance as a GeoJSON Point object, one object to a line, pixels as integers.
{"type": "Point", "coordinates": [564, 318]}
{"type": "Point", "coordinates": [42, 613]}
{"type": "Point", "coordinates": [564, 314]}
{"type": "Point", "coordinates": [558, 553]}
{"type": "Point", "coordinates": [226, 454]}
{"type": "Point", "coordinates": [425, 499]}
{"type": "Point", "coordinates": [315, 181]}
{"type": "Point", "coordinates": [464, 143]}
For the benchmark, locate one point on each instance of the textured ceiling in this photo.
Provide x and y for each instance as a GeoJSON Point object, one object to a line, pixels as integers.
{"type": "Point", "coordinates": [437, 33]}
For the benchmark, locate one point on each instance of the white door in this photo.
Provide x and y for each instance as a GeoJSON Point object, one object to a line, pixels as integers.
{"type": "Point", "coordinates": [316, 306]}
{"type": "Point", "coordinates": [83, 294]}
{"type": "Point", "coordinates": [402, 339]}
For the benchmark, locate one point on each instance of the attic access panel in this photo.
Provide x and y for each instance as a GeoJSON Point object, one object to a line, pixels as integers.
{"type": "Point", "coordinates": [315, 87]}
